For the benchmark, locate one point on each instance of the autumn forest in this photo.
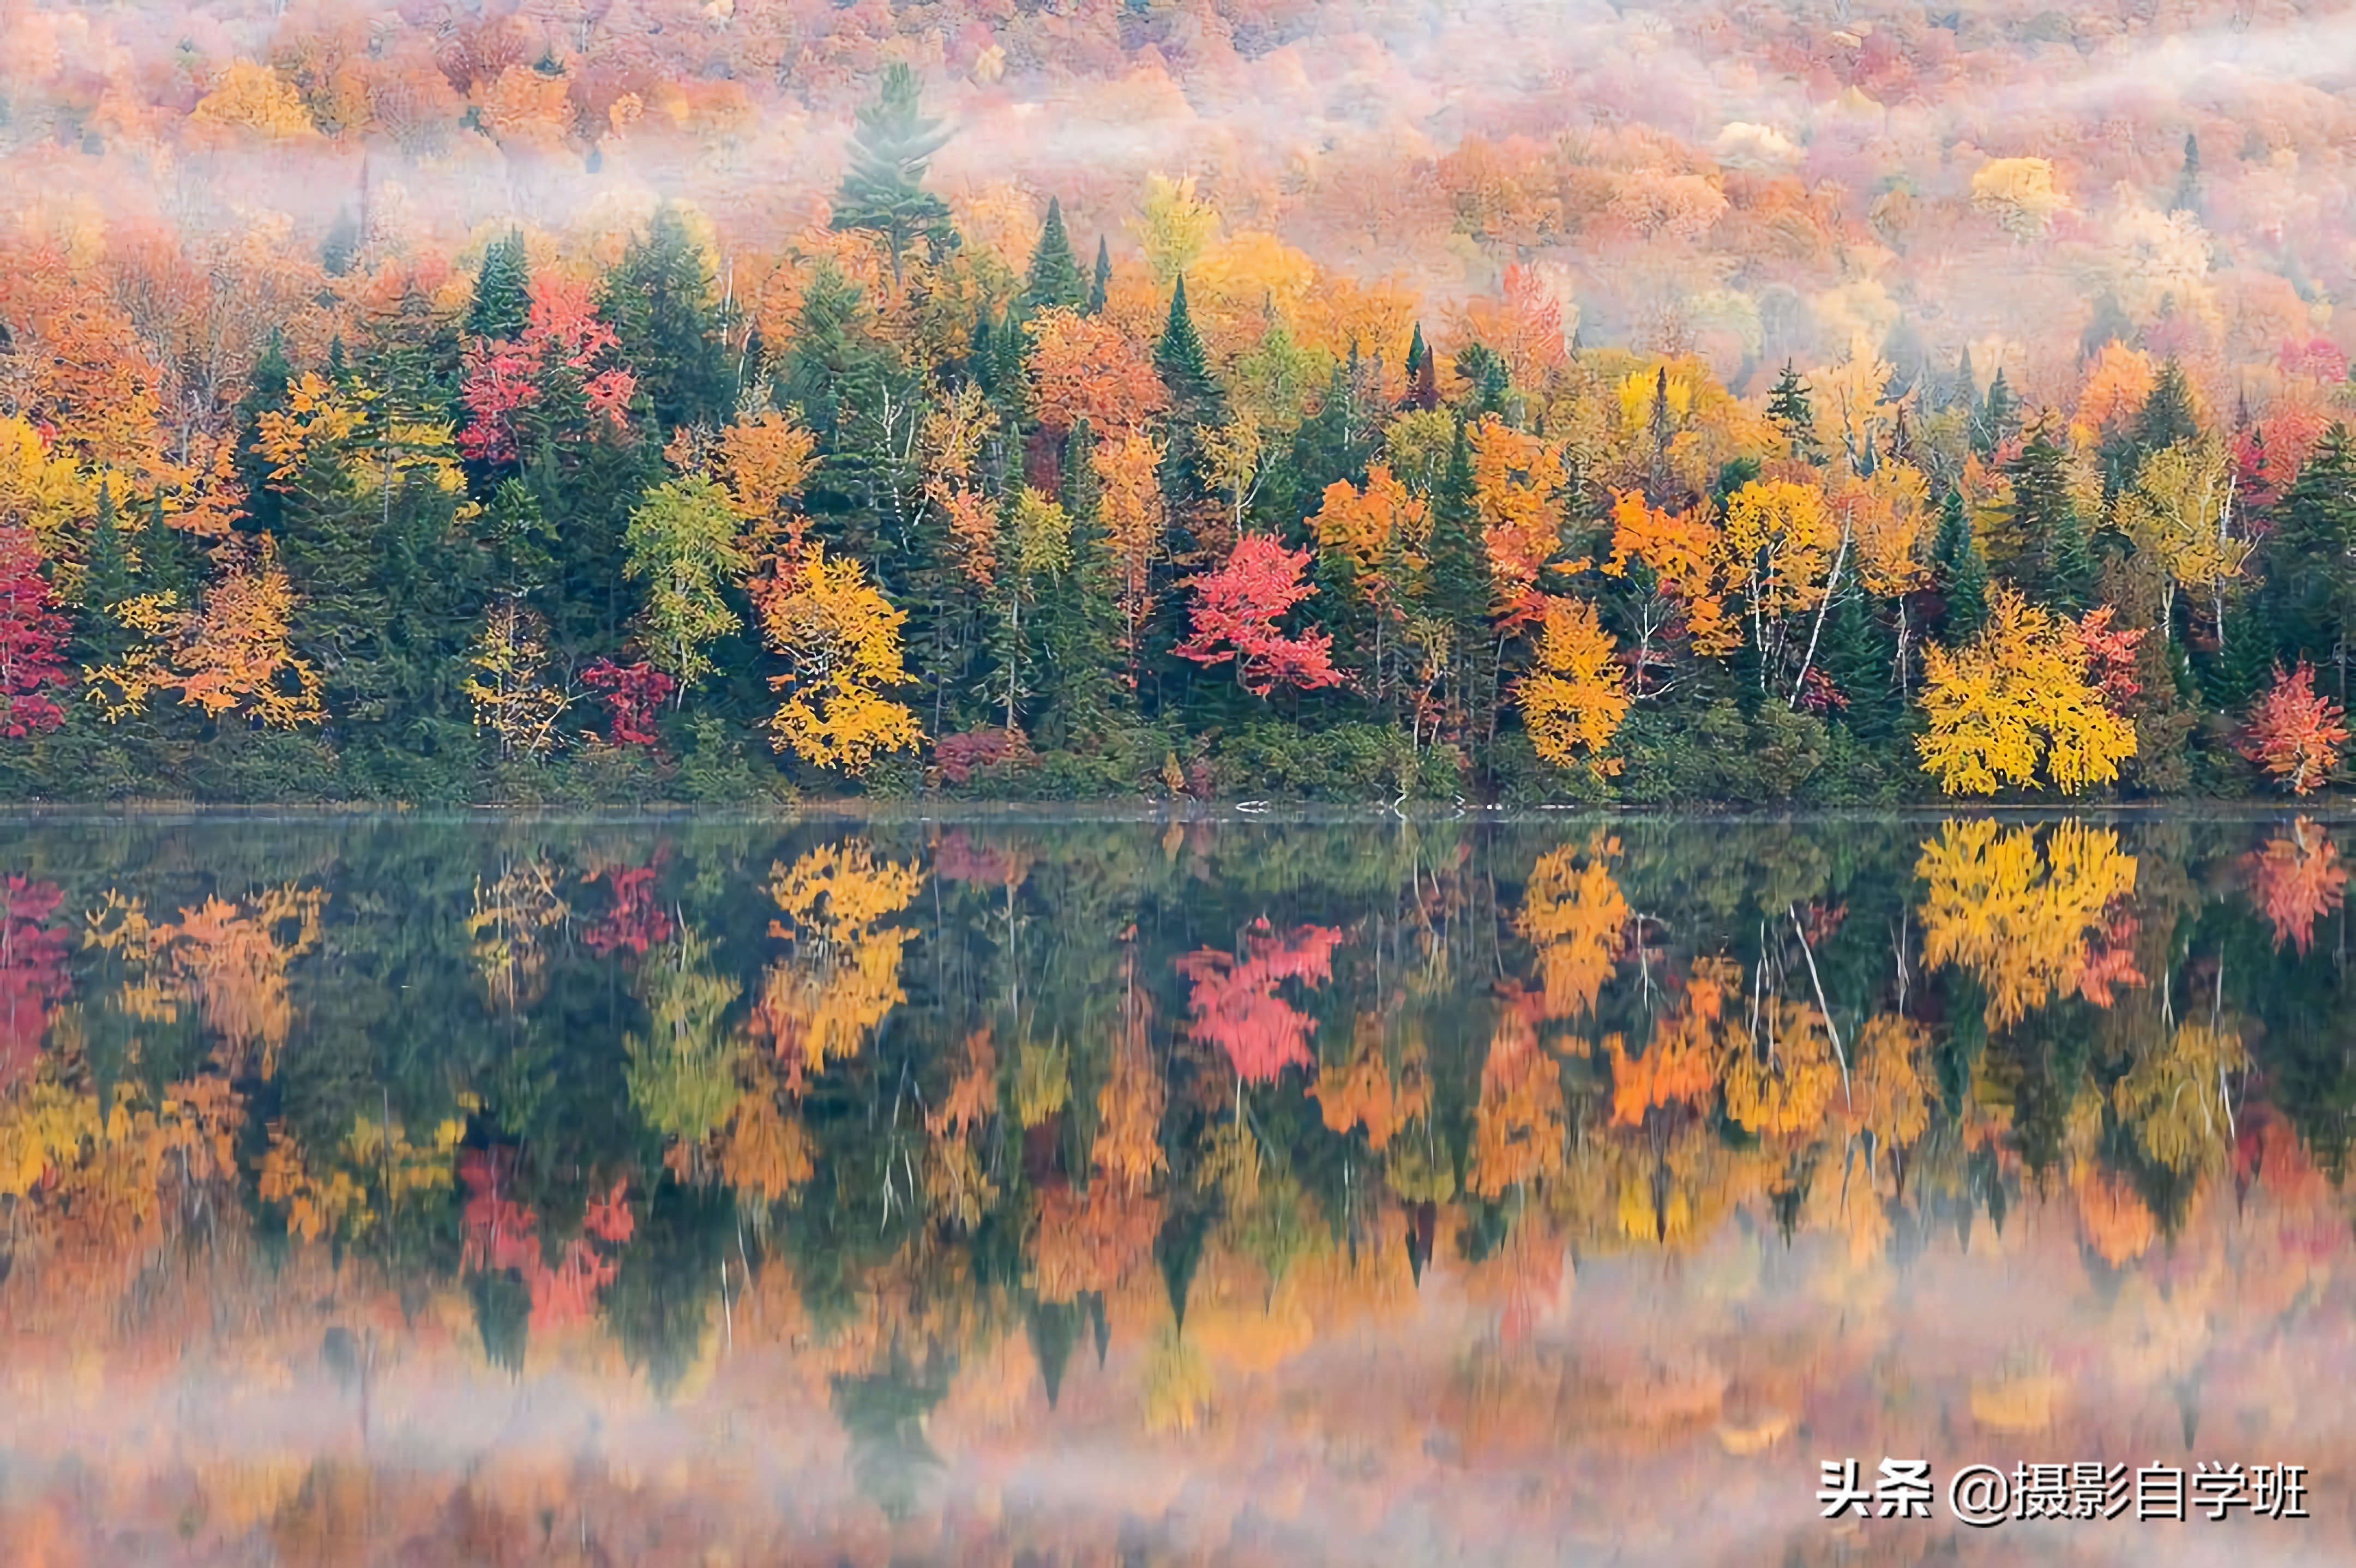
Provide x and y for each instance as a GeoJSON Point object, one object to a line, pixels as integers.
{"type": "Point", "coordinates": [635, 400]}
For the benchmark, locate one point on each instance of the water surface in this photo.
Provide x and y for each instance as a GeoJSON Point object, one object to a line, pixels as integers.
{"type": "Point", "coordinates": [1020, 1190]}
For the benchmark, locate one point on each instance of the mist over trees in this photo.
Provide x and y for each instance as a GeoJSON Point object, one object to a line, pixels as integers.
{"type": "Point", "coordinates": [669, 402]}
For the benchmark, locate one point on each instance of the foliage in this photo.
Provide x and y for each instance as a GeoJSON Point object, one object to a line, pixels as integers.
{"type": "Point", "coordinates": [2014, 705]}
{"type": "Point", "coordinates": [841, 641]}
{"type": "Point", "coordinates": [2295, 732]}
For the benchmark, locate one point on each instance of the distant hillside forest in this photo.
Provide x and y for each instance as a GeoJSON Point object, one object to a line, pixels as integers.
{"type": "Point", "coordinates": [956, 496]}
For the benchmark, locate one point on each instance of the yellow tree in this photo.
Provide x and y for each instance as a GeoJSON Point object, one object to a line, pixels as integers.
{"type": "Point", "coordinates": [1574, 913]}
{"type": "Point", "coordinates": [1517, 485]}
{"type": "Point", "coordinates": [507, 686]}
{"type": "Point", "coordinates": [1573, 701]}
{"type": "Point", "coordinates": [2016, 705]}
{"type": "Point", "coordinates": [2179, 511]}
{"type": "Point", "coordinates": [1782, 538]}
{"type": "Point", "coordinates": [841, 639]}
{"type": "Point", "coordinates": [1173, 226]}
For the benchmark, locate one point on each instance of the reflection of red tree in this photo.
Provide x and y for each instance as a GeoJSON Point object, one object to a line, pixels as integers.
{"type": "Point", "coordinates": [957, 859]}
{"type": "Point", "coordinates": [635, 921]}
{"type": "Point", "coordinates": [1235, 1000]}
{"type": "Point", "coordinates": [501, 1234]}
{"type": "Point", "coordinates": [32, 972]}
{"type": "Point", "coordinates": [2296, 880]}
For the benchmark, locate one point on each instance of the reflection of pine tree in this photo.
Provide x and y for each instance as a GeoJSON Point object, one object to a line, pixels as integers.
{"type": "Point", "coordinates": [662, 1305]}
{"type": "Point", "coordinates": [883, 1413]}
{"type": "Point", "coordinates": [502, 1316]}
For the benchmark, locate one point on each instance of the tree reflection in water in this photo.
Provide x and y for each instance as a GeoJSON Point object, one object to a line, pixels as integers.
{"type": "Point", "coordinates": [882, 1189]}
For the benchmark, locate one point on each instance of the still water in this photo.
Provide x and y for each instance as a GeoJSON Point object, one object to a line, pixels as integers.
{"type": "Point", "coordinates": [1039, 1189]}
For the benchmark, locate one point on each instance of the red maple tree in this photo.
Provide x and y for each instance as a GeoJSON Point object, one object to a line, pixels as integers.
{"type": "Point", "coordinates": [1237, 608]}
{"type": "Point", "coordinates": [500, 1233]}
{"type": "Point", "coordinates": [504, 377]}
{"type": "Point", "coordinates": [33, 635]}
{"type": "Point", "coordinates": [2295, 731]}
{"type": "Point", "coordinates": [2296, 880]}
{"type": "Point", "coordinates": [634, 693]}
{"type": "Point", "coordinates": [1235, 1001]}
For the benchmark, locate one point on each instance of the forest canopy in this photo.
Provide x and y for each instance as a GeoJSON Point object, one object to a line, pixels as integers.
{"type": "Point", "coordinates": [653, 400]}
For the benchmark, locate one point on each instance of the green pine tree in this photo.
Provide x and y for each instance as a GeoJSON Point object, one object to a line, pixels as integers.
{"type": "Point", "coordinates": [1101, 285]}
{"type": "Point", "coordinates": [2025, 546]}
{"type": "Point", "coordinates": [1998, 418]}
{"type": "Point", "coordinates": [2188, 180]}
{"type": "Point", "coordinates": [1960, 571]}
{"type": "Point", "coordinates": [662, 302]}
{"type": "Point", "coordinates": [1788, 406]}
{"type": "Point", "coordinates": [1054, 279]}
{"type": "Point", "coordinates": [883, 192]}
{"type": "Point", "coordinates": [501, 304]}
{"type": "Point", "coordinates": [2309, 597]}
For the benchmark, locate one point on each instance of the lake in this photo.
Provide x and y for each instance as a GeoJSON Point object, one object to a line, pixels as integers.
{"type": "Point", "coordinates": [1070, 1189]}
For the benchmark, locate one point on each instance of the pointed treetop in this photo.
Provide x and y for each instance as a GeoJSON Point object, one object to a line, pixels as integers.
{"type": "Point", "coordinates": [1054, 279]}
{"type": "Point", "coordinates": [1102, 286]}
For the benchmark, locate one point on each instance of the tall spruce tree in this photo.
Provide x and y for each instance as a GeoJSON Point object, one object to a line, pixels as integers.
{"type": "Point", "coordinates": [2040, 516]}
{"type": "Point", "coordinates": [1960, 571]}
{"type": "Point", "coordinates": [884, 190]}
{"type": "Point", "coordinates": [2309, 596]}
{"type": "Point", "coordinates": [1054, 279]}
{"type": "Point", "coordinates": [2188, 179]}
{"type": "Point", "coordinates": [661, 300]}
{"type": "Point", "coordinates": [1101, 286]}
{"type": "Point", "coordinates": [1788, 406]}
{"type": "Point", "coordinates": [501, 305]}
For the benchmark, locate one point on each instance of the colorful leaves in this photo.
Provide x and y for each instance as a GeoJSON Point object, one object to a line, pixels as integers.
{"type": "Point", "coordinates": [842, 640]}
{"type": "Point", "coordinates": [2017, 913]}
{"type": "Point", "coordinates": [33, 637]}
{"type": "Point", "coordinates": [1235, 611]}
{"type": "Point", "coordinates": [2015, 706]}
{"type": "Point", "coordinates": [1573, 701]}
{"type": "Point", "coordinates": [1235, 1000]}
{"type": "Point", "coordinates": [2295, 732]}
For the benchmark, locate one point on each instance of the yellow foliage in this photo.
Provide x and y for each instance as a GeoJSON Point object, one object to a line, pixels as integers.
{"type": "Point", "coordinates": [2019, 194]}
{"type": "Point", "coordinates": [1886, 1094]}
{"type": "Point", "coordinates": [1043, 1082]}
{"type": "Point", "coordinates": [2117, 386]}
{"type": "Point", "coordinates": [1518, 480]}
{"type": "Point", "coordinates": [1781, 534]}
{"type": "Point", "coordinates": [765, 1152]}
{"type": "Point", "coordinates": [1576, 696]}
{"type": "Point", "coordinates": [1178, 1389]}
{"type": "Point", "coordinates": [2174, 1096]}
{"type": "Point", "coordinates": [1781, 1083]}
{"type": "Point", "coordinates": [1518, 1128]}
{"type": "Point", "coordinates": [842, 639]}
{"type": "Point", "coordinates": [46, 492]}
{"type": "Point", "coordinates": [42, 1125]}
{"type": "Point", "coordinates": [1575, 915]}
{"type": "Point", "coordinates": [844, 974]}
{"type": "Point", "coordinates": [2016, 915]}
{"type": "Point", "coordinates": [2015, 703]}
{"type": "Point", "coordinates": [1173, 227]}
{"type": "Point", "coordinates": [255, 98]}
{"type": "Point", "coordinates": [1686, 554]}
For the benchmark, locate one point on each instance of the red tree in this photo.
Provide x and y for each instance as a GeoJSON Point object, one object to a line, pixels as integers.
{"type": "Point", "coordinates": [1237, 609]}
{"type": "Point", "coordinates": [33, 634]}
{"type": "Point", "coordinates": [1235, 1001]}
{"type": "Point", "coordinates": [634, 693]}
{"type": "Point", "coordinates": [564, 340]}
{"type": "Point", "coordinates": [2295, 731]}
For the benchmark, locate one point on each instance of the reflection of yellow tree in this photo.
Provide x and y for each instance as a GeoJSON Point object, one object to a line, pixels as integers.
{"type": "Point", "coordinates": [2175, 1097]}
{"type": "Point", "coordinates": [1681, 1064]}
{"type": "Point", "coordinates": [1575, 915]}
{"type": "Point", "coordinates": [374, 1168]}
{"type": "Point", "coordinates": [956, 1185]}
{"type": "Point", "coordinates": [844, 974]}
{"type": "Point", "coordinates": [1178, 1386]}
{"type": "Point", "coordinates": [683, 1072]}
{"type": "Point", "coordinates": [506, 925]}
{"type": "Point", "coordinates": [230, 959]}
{"type": "Point", "coordinates": [1887, 1097]}
{"type": "Point", "coordinates": [1128, 1147]}
{"type": "Point", "coordinates": [1362, 1094]}
{"type": "Point", "coordinates": [1783, 1079]}
{"type": "Point", "coordinates": [766, 1153]}
{"type": "Point", "coordinates": [2118, 1223]}
{"type": "Point", "coordinates": [1517, 1127]}
{"type": "Point", "coordinates": [2016, 916]}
